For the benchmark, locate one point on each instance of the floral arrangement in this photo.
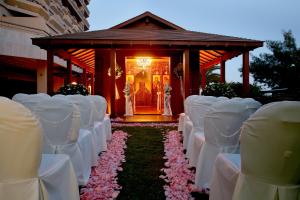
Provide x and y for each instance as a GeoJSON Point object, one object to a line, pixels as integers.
{"type": "Point", "coordinates": [168, 89]}
{"type": "Point", "coordinates": [71, 89]}
{"type": "Point", "coordinates": [118, 72]}
{"type": "Point", "coordinates": [127, 89]}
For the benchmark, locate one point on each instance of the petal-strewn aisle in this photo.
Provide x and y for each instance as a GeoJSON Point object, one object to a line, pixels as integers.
{"type": "Point", "coordinates": [176, 169]}
{"type": "Point", "coordinates": [103, 183]}
{"type": "Point", "coordinates": [144, 159]}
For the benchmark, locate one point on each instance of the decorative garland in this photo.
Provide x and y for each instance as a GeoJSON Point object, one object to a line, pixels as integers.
{"type": "Point", "coordinates": [118, 72]}
{"type": "Point", "coordinates": [103, 182]}
{"type": "Point", "coordinates": [177, 175]}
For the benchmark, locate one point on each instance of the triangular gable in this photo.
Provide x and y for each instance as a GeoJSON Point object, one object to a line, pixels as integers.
{"type": "Point", "coordinates": [147, 21]}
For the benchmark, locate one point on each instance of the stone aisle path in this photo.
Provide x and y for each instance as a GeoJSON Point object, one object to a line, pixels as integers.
{"type": "Point", "coordinates": [140, 175]}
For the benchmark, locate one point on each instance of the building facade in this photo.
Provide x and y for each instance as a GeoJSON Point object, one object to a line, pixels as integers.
{"type": "Point", "coordinates": [23, 65]}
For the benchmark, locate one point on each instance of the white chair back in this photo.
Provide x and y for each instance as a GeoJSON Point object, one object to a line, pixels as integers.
{"type": "Point", "coordinates": [100, 105]}
{"type": "Point", "coordinates": [270, 153]}
{"type": "Point", "coordinates": [198, 107]}
{"type": "Point", "coordinates": [222, 98]}
{"type": "Point", "coordinates": [222, 124]}
{"type": "Point", "coordinates": [60, 120]}
{"type": "Point", "coordinates": [20, 142]}
{"type": "Point", "coordinates": [271, 138]}
{"type": "Point", "coordinates": [30, 100]}
{"type": "Point", "coordinates": [251, 105]}
{"type": "Point", "coordinates": [86, 110]}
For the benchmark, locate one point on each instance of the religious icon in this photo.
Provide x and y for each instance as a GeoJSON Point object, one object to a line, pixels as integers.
{"type": "Point", "coordinates": [166, 79]}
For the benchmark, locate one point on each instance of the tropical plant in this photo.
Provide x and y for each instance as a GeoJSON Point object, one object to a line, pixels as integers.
{"type": "Point", "coordinates": [212, 76]}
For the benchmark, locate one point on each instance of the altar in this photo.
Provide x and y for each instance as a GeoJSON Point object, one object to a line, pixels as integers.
{"type": "Point", "coordinates": [147, 77]}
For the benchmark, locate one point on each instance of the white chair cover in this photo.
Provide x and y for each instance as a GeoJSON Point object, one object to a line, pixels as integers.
{"type": "Point", "coordinates": [30, 100]}
{"type": "Point", "coordinates": [60, 120]}
{"type": "Point", "coordinates": [103, 117]}
{"type": "Point", "coordinates": [222, 98]}
{"type": "Point", "coordinates": [187, 123]}
{"type": "Point", "coordinates": [197, 110]}
{"type": "Point", "coordinates": [225, 174]}
{"type": "Point", "coordinates": [88, 112]}
{"type": "Point", "coordinates": [99, 104]}
{"type": "Point", "coordinates": [251, 105]}
{"type": "Point", "coordinates": [270, 154]}
{"type": "Point", "coordinates": [87, 140]}
{"type": "Point", "coordinates": [20, 153]}
{"type": "Point", "coordinates": [58, 176]}
{"type": "Point", "coordinates": [180, 121]}
{"type": "Point", "coordinates": [222, 130]}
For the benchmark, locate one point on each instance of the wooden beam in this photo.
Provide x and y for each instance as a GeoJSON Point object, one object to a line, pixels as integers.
{"type": "Point", "coordinates": [246, 86]}
{"type": "Point", "coordinates": [65, 55]}
{"type": "Point", "coordinates": [205, 53]}
{"type": "Point", "coordinates": [84, 53]}
{"type": "Point", "coordinates": [215, 53]}
{"type": "Point", "coordinates": [186, 72]}
{"type": "Point", "coordinates": [222, 69]}
{"type": "Point", "coordinates": [216, 61]}
{"type": "Point", "coordinates": [50, 68]}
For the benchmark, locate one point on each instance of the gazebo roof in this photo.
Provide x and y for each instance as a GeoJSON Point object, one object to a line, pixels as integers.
{"type": "Point", "coordinates": [148, 31]}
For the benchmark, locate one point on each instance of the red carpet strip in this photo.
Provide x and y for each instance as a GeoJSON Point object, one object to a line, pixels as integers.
{"type": "Point", "coordinates": [103, 183]}
{"type": "Point", "coordinates": [177, 175]}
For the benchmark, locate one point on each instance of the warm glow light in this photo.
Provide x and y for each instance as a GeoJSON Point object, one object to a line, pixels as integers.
{"type": "Point", "coordinates": [90, 89]}
{"type": "Point", "coordinates": [143, 61]}
{"type": "Point", "coordinates": [74, 83]}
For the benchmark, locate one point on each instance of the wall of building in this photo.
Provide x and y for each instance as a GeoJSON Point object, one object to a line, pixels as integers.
{"type": "Point", "coordinates": [21, 20]}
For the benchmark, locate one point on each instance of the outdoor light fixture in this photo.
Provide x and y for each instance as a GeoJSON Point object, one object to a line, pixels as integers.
{"type": "Point", "coordinates": [143, 62]}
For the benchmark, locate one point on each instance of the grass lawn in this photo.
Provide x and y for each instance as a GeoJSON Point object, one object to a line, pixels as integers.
{"type": "Point", "coordinates": [141, 171]}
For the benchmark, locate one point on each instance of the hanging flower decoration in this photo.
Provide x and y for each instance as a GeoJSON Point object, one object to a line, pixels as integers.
{"type": "Point", "coordinates": [118, 71]}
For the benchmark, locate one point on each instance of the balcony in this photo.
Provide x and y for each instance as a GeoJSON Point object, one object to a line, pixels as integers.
{"type": "Point", "coordinates": [73, 9]}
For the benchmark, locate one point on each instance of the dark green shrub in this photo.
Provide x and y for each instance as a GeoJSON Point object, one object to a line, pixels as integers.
{"type": "Point", "coordinates": [219, 89]}
{"type": "Point", "coordinates": [71, 89]}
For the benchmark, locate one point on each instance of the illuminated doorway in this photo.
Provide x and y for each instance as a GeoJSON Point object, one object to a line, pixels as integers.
{"type": "Point", "coordinates": [147, 76]}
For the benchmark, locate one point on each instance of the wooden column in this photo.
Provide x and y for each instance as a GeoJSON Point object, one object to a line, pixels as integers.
{"type": "Point", "coordinates": [50, 69]}
{"type": "Point", "coordinates": [99, 73]}
{"type": "Point", "coordinates": [69, 69]}
{"type": "Point", "coordinates": [113, 64]}
{"type": "Point", "coordinates": [92, 83]}
{"type": "Point", "coordinates": [194, 72]}
{"type": "Point", "coordinates": [84, 77]}
{"type": "Point", "coordinates": [222, 69]}
{"type": "Point", "coordinates": [203, 78]}
{"type": "Point", "coordinates": [186, 72]}
{"type": "Point", "coordinates": [246, 86]}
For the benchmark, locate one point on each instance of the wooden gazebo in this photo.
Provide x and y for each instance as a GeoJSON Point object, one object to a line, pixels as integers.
{"type": "Point", "coordinates": [151, 36]}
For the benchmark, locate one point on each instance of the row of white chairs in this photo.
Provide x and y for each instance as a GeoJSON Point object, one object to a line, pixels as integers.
{"type": "Point", "coordinates": [212, 129]}
{"type": "Point", "coordinates": [73, 129]}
